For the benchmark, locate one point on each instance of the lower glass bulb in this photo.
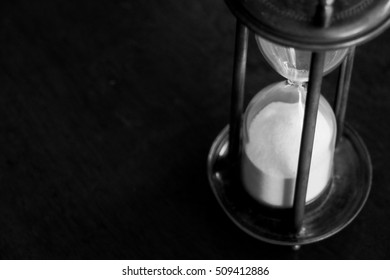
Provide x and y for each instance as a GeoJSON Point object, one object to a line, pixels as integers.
{"type": "Point", "coordinates": [271, 141]}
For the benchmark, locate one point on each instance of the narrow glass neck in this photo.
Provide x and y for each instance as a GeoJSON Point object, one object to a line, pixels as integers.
{"type": "Point", "coordinates": [297, 84]}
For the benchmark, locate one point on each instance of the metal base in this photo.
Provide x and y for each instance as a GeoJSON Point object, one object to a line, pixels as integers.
{"type": "Point", "coordinates": [327, 215]}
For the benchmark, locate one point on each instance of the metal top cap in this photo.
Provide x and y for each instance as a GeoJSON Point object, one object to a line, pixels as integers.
{"type": "Point", "coordinates": [298, 23]}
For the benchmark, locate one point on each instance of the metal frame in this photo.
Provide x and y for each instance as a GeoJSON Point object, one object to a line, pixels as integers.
{"type": "Point", "coordinates": [238, 90]}
{"type": "Point", "coordinates": [295, 235]}
{"type": "Point", "coordinates": [343, 83]}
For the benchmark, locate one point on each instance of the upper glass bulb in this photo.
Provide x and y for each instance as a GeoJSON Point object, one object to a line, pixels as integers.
{"type": "Point", "coordinates": [294, 64]}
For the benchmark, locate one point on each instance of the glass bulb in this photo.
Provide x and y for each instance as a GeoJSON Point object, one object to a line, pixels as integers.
{"type": "Point", "coordinates": [272, 133]}
{"type": "Point", "coordinates": [294, 64]}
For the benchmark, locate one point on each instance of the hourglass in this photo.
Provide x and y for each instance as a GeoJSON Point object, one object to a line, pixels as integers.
{"type": "Point", "coordinates": [288, 170]}
{"type": "Point", "coordinates": [272, 130]}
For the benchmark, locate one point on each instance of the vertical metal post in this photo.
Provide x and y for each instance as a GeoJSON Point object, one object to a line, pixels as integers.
{"type": "Point", "coordinates": [323, 19]}
{"type": "Point", "coordinates": [343, 84]}
{"type": "Point", "coordinates": [307, 140]}
{"type": "Point", "coordinates": [238, 87]}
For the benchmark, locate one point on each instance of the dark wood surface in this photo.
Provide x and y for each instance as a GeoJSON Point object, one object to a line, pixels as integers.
{"type": "Point", "coordinates": [107, 112]}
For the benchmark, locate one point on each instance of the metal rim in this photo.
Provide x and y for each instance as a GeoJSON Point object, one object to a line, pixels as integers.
{"type": "Point", "coordinates": [317, 224]}
{"type": "Point", "coordinates": [306, 36]}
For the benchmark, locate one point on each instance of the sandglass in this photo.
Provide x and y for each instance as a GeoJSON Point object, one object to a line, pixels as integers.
{"type": "Point", "coordinates": [287, 169]}
{"type": "Point", "coordinates": [272, 129]}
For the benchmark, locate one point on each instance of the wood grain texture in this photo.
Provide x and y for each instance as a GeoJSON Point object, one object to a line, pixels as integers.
{"type": "Point", "coordinates": [107, 112]}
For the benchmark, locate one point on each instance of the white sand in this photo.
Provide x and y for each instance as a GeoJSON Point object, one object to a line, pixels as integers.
{"type": "Point", "coordinates": [274, 141]}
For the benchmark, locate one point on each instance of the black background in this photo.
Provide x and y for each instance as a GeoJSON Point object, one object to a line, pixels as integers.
{"type": "Point", "coordinates": [107, 112]}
